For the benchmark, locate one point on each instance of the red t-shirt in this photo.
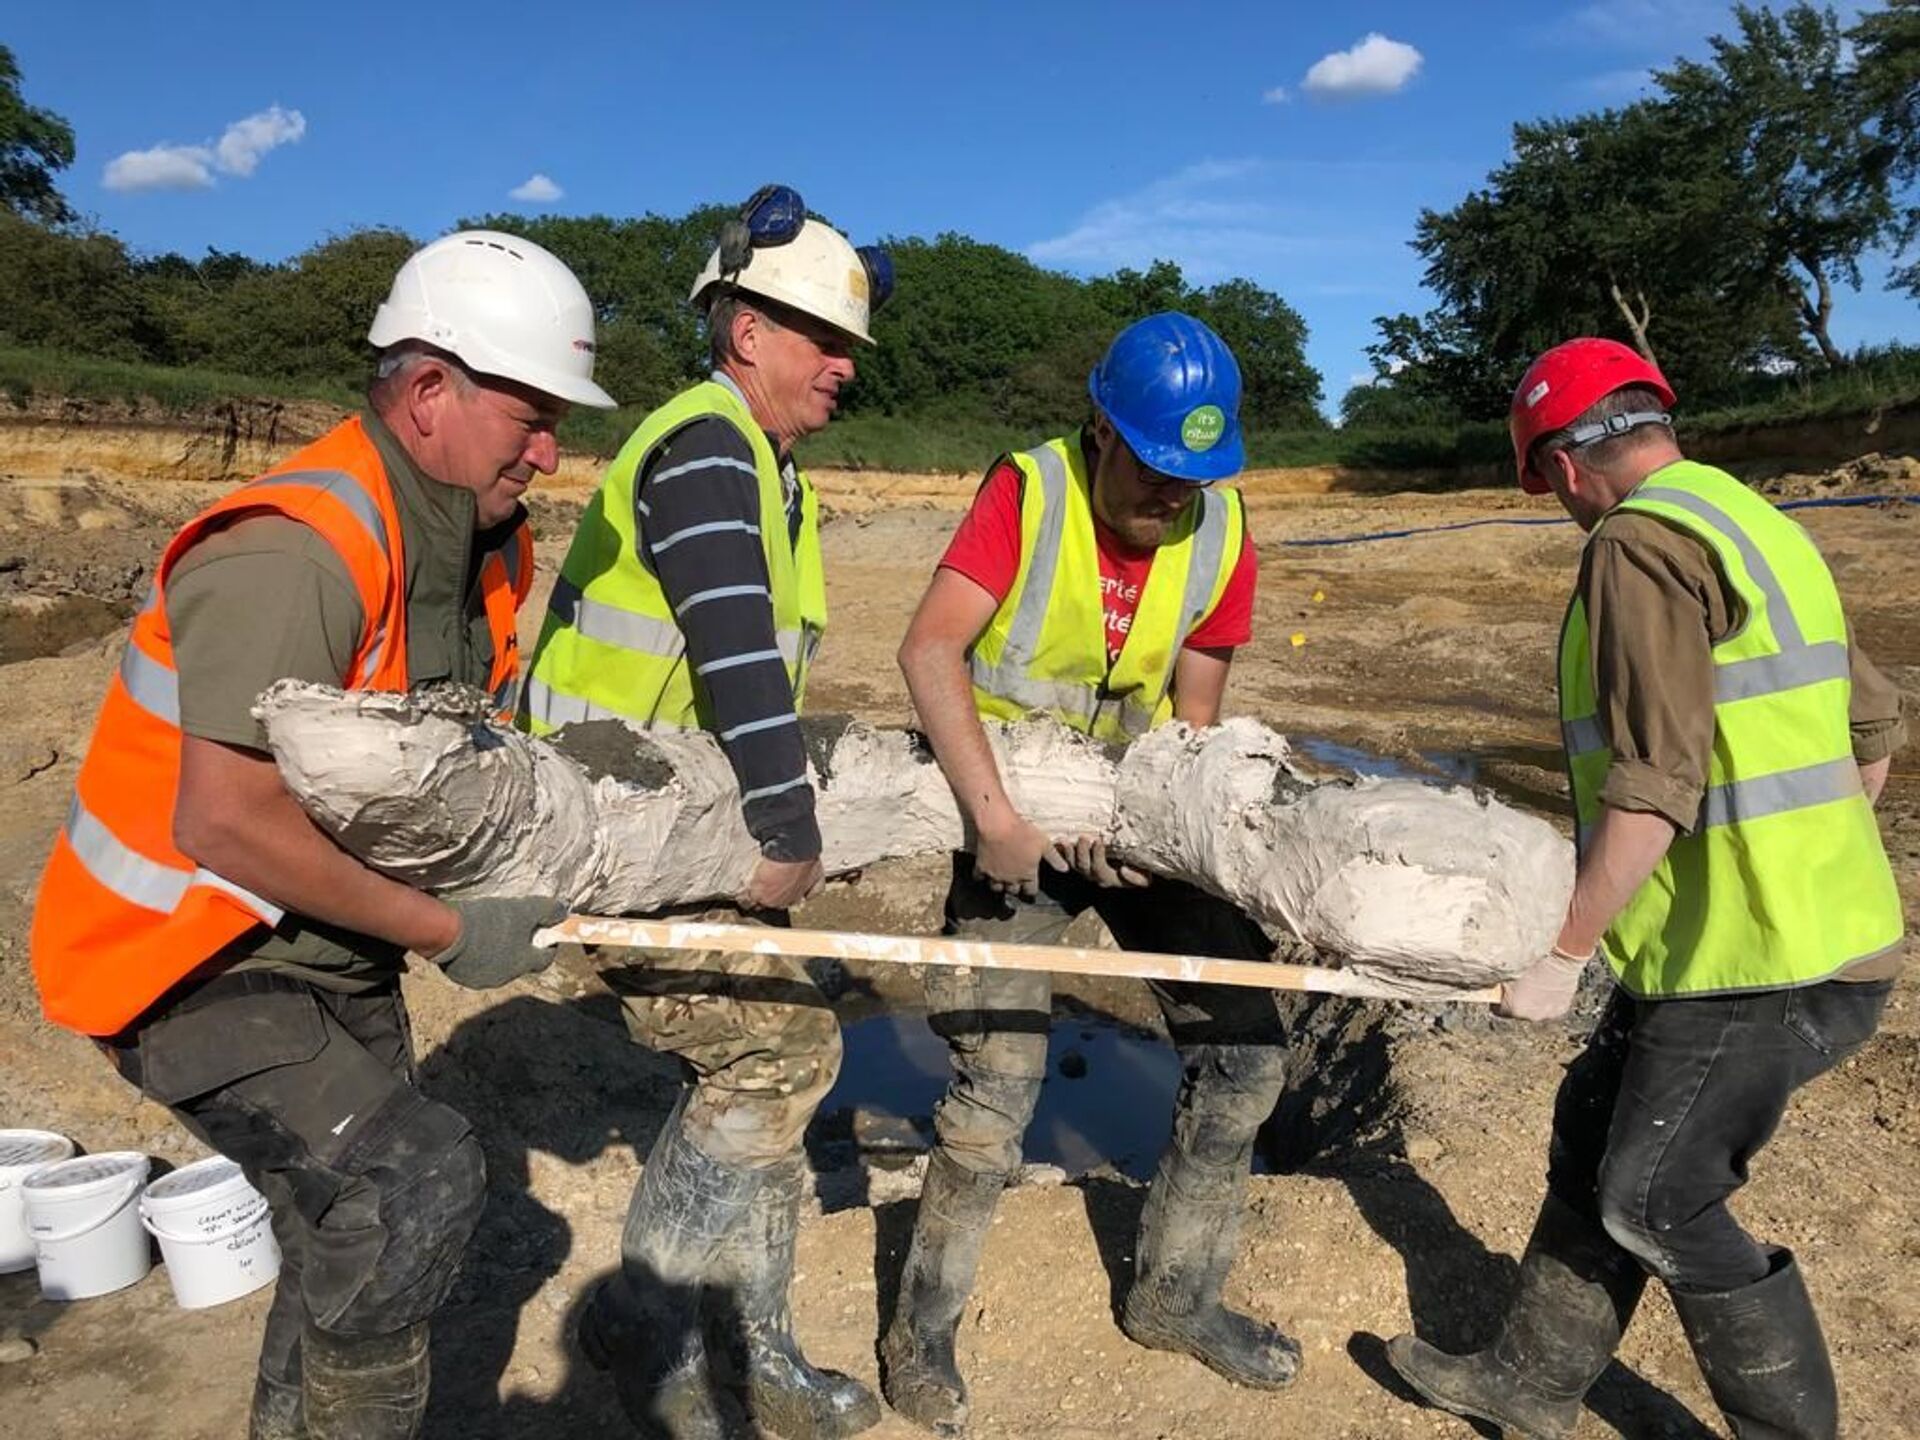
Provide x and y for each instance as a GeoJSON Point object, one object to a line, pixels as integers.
{"type": "Point", "coordinates": [986, 549]}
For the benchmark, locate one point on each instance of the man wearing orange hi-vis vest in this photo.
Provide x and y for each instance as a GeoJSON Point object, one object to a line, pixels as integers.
{"type": "Point", "coordinates": [236, 964]}
{"type": "Point", "coordinates": [1726, 741]}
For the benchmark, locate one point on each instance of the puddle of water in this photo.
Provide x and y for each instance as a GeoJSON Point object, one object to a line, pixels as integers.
{"type": "Point", "coordinates": [1118, 1112]}
{"type": "Point", "coordinates": [1332, 753]}
{"type": "Point", "coordinates": [1482, 768]}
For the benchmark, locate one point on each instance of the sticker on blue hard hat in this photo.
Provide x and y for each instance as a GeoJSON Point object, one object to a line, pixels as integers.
{"type": "Point", "coordinates": [1202, 428]}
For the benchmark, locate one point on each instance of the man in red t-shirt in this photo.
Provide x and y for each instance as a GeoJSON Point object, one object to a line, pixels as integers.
{"type": "Point", "coordinates": [1102, 578]}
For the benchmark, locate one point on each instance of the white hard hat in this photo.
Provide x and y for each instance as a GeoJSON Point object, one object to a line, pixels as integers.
{"type": "Point", "coordinates": [502, 306]}
{"type": "Point", "coordinates": [817, 272]}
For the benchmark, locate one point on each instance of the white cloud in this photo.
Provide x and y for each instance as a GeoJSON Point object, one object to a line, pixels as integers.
{"type": "Point", "coordinates": [191, 167]}
{"type": "Point", "coordinates": [245, 141]}
{"type": "Point", "coordinates": [538, 189]}
{"type": "Point", "coordinates": [1278, 95]}
{"type": "Point", "coordinates": [164, 167]}
{"type": "Point", "coordinates": [1222, 218]}
{"type": "Point", "coordinates": [1375, 66]}
{"type": "Point", "coordinates": [1647, 24]}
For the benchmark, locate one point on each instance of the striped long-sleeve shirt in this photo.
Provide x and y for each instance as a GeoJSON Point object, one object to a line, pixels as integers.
{"type": "Point", "coordinates": [697, 523]}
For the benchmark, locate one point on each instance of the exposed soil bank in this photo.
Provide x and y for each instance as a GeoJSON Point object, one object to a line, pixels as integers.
{"type": "Point", "coordinates": [138, 440]}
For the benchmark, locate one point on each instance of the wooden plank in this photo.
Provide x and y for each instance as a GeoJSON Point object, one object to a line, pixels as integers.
{"type": "Point", "coordinates": [986, 955]}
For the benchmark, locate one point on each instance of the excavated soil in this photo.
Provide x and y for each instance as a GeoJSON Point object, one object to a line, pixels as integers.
{"type": "Point", "coordinates": [1398, 1181]}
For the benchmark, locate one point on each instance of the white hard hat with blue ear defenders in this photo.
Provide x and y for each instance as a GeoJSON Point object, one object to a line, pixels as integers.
{"type": "Point", "coordinates": [773, 248]}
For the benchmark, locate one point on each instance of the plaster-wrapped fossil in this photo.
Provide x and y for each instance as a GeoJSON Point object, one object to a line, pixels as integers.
{"type": "Point", "coordinates": [1424, 888]}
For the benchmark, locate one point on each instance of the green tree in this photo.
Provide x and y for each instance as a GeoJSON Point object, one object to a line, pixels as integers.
{"type": "Point", "coordinates": [1268, 338]}
{"type": "Point", "coordinates": [69, 289]}
{"type": "Point", "coordinates": [1779, 109]}
{"type": "Point", "coordinates": [977, 332]}
{"type": "Point", "coordinates": [34, 143]}
{"type": "Point", "coordinates": [1887, 69]}
{"type": "Point", "coordinates": [1620, 223]}
{"type": "Point", "coordinates": [1131, 295]}
{"type": "Point", "coordinates": [188, 307]}
{"type": "Point", "coordinates": [1384, 404]}
{"type": "Point", "coordinates": [309, 317]}
{"type": "Point", "coordinates": [637, 271]}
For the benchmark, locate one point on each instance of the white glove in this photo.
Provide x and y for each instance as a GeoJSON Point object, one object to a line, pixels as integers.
{"type": "Point", "coordinates": [1545, 989]}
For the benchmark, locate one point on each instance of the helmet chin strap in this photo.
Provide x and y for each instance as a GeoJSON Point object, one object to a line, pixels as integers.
{"type": "Point", "coordinates": [1584, 435]}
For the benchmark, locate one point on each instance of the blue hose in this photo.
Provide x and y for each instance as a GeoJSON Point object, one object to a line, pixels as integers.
{"type": "Point", "coordinates": [1816, 503]}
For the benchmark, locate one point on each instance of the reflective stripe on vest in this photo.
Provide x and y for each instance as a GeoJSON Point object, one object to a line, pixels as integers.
{"type": "Point", "coordinates": [610, 645]}
{"type": "Point", "coordinates": [143, 882]}
{"type": "Point", "coordinates": [1783, 880]}
{"type": "Point", "coordinates": [1010, 664]}
{"type": "Point", "coordinates": [122, 914]}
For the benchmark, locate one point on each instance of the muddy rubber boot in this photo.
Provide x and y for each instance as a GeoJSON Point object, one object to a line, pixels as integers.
{"type": "Point", "coordinates": [276, 1413]}
{"type": "Point", "coordinates": [784, 1393]}
{"type": "Point", "coordinates": [364, 1387]}
{"type": "Point", "coordinates": [1577, 1291]}
{"type": "Point", "coordinates": [918, 1372]}
{"type": "Point", "coordinates": [1764, 1356]}
{"type": "Point", "coordinates": [1189, 1235]}
{"type": "Point", "coordinates": [643, 1325]}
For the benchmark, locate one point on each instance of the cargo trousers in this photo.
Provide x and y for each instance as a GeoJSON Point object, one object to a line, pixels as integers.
{"type": "Point", "coordinates": [374, 1188]}
{"type": "Point", "coordinates": [758, 1038]}
{"type": "Point", "coordinates": [1231, 1040]}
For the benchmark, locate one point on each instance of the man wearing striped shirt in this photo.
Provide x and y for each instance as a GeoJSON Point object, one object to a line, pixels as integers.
{"type": "Point", "coordinates": [692, 598]}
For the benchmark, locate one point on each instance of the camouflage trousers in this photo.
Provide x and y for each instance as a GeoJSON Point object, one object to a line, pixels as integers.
{"type": "Point", "coordinates": [760, 1040]}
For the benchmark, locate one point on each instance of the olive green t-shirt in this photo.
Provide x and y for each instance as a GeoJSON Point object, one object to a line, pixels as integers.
{"type": "Point", "coordinates": [1657, 604]}
{"type": "Point", "coordinates": [266, 598]}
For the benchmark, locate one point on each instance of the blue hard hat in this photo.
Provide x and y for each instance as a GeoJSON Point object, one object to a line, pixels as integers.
{"type": "Point", "coordinates": [1171, 387]}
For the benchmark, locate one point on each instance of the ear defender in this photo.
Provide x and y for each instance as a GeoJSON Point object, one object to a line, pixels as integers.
{"type": "Point", "coordinates": [772, 216]}
{"type": "Point", "coordinates": [879, 267]}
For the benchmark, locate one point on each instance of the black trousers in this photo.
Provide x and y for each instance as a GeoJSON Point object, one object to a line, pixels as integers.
{"type": "Point", "coordinates": [375, 1189]}
{"type": "Point", "coordinates": [1659, 1117]}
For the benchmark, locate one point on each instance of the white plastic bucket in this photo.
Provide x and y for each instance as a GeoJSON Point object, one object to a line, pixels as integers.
{"type": "Point", "coordinates": [20, 1152]}
{"type": "Point", "coordinates": [215, 1232]}
{"type": "Point", "coordinates": [85, 1224]}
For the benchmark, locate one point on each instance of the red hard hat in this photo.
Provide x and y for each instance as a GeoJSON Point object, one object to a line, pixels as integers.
{"type": "Point", "coordinates": [1567, 381]}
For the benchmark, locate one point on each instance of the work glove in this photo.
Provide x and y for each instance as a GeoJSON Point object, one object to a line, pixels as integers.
{"type": "Point", "coordinates": [1088, 856]}
{"type": "Point", "coordinates": [495, 943]}
{"type": "Point", "coordinates": [1545, 989]}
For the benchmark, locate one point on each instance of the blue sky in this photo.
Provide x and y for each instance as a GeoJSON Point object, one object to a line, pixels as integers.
{"type": "Point", "coordinates": [1274, 140]}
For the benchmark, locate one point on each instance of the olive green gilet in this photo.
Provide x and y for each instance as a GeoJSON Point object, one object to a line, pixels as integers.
{"type": "Point", "coordinates": [610, 647]}
{"type": "Point", "coordinates": [1784, 880]}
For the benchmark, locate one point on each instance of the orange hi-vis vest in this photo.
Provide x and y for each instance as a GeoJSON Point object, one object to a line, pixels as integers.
{"type": "Point", "coordinates": [122, 915]}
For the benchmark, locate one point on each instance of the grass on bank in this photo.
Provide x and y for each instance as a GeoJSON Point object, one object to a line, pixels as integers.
{"type": "Point", "coordinates": [1877, 379]}
{"type": "Point", "coordinates": [29, 374]}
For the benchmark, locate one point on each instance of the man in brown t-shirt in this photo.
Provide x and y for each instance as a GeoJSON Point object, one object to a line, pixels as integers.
{"type": "Point", "coordinates": [1691, 761]}
{"type": "Point", "coordinates": [288, 1048]}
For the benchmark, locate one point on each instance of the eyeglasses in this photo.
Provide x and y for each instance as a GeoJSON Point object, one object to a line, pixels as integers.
{"type": "Point", "coordinates": [773, 216]}
{"type": "Point", "coordinates": [1154, 480]}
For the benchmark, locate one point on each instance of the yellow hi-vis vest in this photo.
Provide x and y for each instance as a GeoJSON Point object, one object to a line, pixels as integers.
{"type": "Point", "coordinates": [1784, 881]}
{"type": "Point", "coordinates": [1046, 647]}
{"type": "Point", "coordinates": [610, 647]}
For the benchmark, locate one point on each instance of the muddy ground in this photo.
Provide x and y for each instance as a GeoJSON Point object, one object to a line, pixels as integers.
{"type": "Point", "coordinates": [1431, 652]}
